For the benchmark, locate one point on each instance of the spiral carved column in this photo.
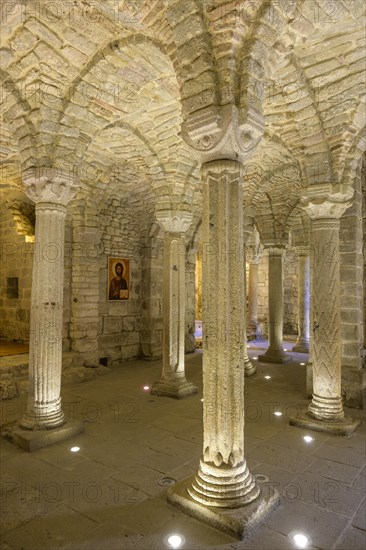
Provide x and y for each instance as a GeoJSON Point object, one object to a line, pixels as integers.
{"type": "Point", "coordinates": [325, 412]}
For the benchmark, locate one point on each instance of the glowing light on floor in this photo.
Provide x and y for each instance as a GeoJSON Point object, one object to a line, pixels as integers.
{"type": "Point", "coordinates": [175, 541]}
{"type": "Point", "coordinates": [255, 357]}
{"type": "Point", "coordinates": [308, 438]}
{"type": "Point", "coordinates": [146, 388]}
{"type": "Point", "coordinates": [301, 541]}
{"type": "Point", "coordinates": [248, 346]}
{"type": "Point", "coordinates": [267, 377]}
{"type": "Point", "coordinates": [75, 449]}
{"type": "Point", "coordinates": [285, 349]}
{"type": "Point", "coordinates": [277, 413]}
{"type": "Point", "coordinates": [202, 400]}
{"type": "Point", "coordinates": [302, 364]}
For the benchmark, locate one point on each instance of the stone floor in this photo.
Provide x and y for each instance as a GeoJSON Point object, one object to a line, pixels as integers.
{"type": "Point", "coordinates": [107, 496]}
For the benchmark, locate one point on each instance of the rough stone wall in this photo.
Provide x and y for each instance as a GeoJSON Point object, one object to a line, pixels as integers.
{"type": "Point", "coordinates": [16, 261]}
{"type": "Point", "coordinates": [121, 321]}
{"type": "Point", "coordinates": [152, 298]}
{"type": "Point", "coordinates": [351, 273]}
{"type": "Point", "coordinates": [363, 190]}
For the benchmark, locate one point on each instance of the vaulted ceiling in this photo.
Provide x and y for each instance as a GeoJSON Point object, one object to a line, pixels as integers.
{"type": "Point", "coordinates": [102, 88]}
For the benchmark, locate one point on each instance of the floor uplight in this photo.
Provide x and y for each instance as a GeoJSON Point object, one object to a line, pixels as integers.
{"type": "Point", "coordinates": [146, 388]}
{"type": "Point", "coordinates": [255, 358]}
{"type": "Point", "coordinates": [267, 377]}
{"type": "Point", "coordinates": [175, 541]}
{"type": "Point", "coordinates": [277, 413]}
{"type": "Point", "coordinates": [302, 364]}
{"type": "Point", "coordinates": [308, 438]}
{"type": "Point", "coordinates": [75, 449]}
{"type": "Point", "coordinates": [202, 400]}
{"type": "Point", "coordinates": [300, 540]}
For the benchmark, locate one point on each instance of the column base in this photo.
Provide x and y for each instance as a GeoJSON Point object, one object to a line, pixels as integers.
{"type": "Point", "coordinates": [346, 426]}
{"type": "Point", "coordinates": [237, 522]}
{"type": "Point", "coordinates": [174, 390]}
{"type": "Point", "coordinates": [249, 368]}
{"type": "Point", "coordinates": [32, 440]}
{"type": "Point", "coordinates": [275, 356]}
{"type": "Point", "coordinates": [300, 348]}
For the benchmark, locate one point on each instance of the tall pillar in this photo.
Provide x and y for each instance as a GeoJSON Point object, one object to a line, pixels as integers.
{"type": "Point", "coordinates": [249, 368]}
{"type": "Point", "coordinates": [326, 410]}
{"type": "Point", "coordinates": [223, 478]}
{"type": "Point", "coordinates": [45, 344]}
{"type": "Point", "coordinates": [253, 297]}
{"type": "Point", "coordinates": [173, 382]}
{"type": "Point", "coordinates": [302, 344]}
{"type": "Point", "coordinates": [44, 421]}
{"type": "Point", "coordinates": [275, 352]}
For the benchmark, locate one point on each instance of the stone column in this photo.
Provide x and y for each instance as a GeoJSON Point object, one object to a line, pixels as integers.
{"type": "Point", "coordinates": [275, 352]}
{"type": "Point", "coordinates": [45, 344]}
{"type": "Point", "coordinates": [326, 410]}
{"type": "Point", "coordinates": [44, 422]}
{"type": "Point", "coordinates": [302, 344]}
{"type": "Point", "coordinates": [249, 368]}
{"type": "Point", "coordinates": [223, 478]}
{"type": "Point", "coordinates": [253, 297]}
{"type": "Point", "coordinates": [173, 382]}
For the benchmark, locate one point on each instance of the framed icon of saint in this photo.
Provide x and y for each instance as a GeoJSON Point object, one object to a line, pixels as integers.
{"type": "Point", "coordinates": [118, 279]}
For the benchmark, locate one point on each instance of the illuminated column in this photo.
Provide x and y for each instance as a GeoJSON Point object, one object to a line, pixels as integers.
{"type": "Point", "coordinates": [223, 478]}
{"type": "Point", "coordinates": [275, 352]}
{"type": "Point", "coordinates": [326, 410]}
{"type": "Point", "coordinates": [173, 382]}
{"type": "Point", "coordinates": [249, 368]}
{"type": "Point", "coordinates": [51, 191]}
{"type": "Point", "coordinates": [253, 297]}
{"type": "Point", "coordinates": [302, 344]}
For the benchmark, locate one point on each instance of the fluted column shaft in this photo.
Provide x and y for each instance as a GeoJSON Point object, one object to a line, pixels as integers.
{"type": "Point", "coordinates": [223, 478]}
{"type": "Point", "coordinates": [173, 382]}
{"type": "Point", "coordinates": [302, 344]}
{"type": "Point", "coordinates": [275, 352]}
{"type": "Point", "coordinates": [45, 346]}
{"type": "Point", "coordinates": [326, 350]}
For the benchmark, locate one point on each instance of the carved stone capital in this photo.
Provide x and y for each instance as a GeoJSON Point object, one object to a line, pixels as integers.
{"type": "Point", "coordinates": [50, 185]}
{"type": "Point", "coordinates": [178, 221]}
{"type": "Point", "coordinates": [218, 132]}
{"type": "Point", "coordinates": [327, 200]}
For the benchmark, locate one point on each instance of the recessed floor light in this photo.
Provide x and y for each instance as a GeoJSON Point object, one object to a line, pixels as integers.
{"type": "Point", "coordinates": [75, 449]}
{"type": "Point", "coordinates": [255, 358]}
{"type": "Point", "coordinates": [146, 388]}
{"type": "Point", "coordinates": [267, 377]}
{"type": "Point", "coordinates": [277, 413]}
{"type": "Point", "coordinates": [308, 438]}
{"type": "Point", "coordinates": [302, 364]}
{"type": "Point", "coordinates": [174, 541]}
{"type": "Point", "coordinates": [300, 540]}
{"type": "Point", "coordinates": [202, 400]}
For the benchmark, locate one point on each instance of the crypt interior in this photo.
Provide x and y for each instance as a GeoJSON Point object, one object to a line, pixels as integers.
{"type": "Point", "coordinates": [183, 280]}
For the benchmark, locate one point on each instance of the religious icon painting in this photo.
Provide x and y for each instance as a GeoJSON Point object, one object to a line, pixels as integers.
{"type": "Point", "coordinates": [118, 279]}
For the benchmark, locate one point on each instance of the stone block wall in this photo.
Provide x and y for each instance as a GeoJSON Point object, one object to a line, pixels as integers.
{"type": "Point", "coordinates": [16, 262]}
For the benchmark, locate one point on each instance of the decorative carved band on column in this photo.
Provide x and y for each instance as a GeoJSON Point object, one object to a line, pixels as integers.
{"type": "Point", "coordinates": [45, 350]}
{"type": "Point", "coordinates": [223, 478]}
{"type": "Point", "coordinates": [327, 401]}
{"type": "Point", "coordinates": [325, 205]}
